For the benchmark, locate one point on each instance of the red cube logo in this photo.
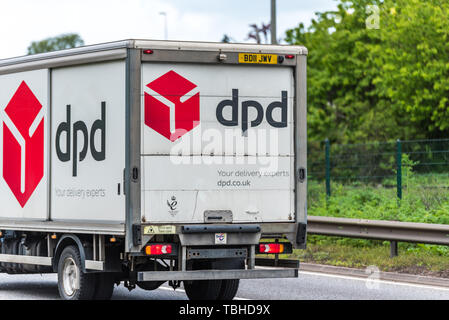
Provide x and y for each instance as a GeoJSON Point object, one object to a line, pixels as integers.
{"type": "Point", "coordinates": [172, 105]}
{"type": "Point", "coordinates": [23, 144]}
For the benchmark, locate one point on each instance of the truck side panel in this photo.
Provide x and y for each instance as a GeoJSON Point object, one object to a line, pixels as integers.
{"type": "Point", "coordinates": [88, 133]}
{"type": "Point", "coordinates": [24, 145]}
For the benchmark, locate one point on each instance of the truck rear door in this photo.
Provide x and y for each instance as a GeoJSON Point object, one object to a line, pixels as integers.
{"type": "Point", "coordinates": [217, 143]}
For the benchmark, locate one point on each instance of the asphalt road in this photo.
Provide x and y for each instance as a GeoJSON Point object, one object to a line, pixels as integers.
{"type": "Point", "coordinates": [308, 286]}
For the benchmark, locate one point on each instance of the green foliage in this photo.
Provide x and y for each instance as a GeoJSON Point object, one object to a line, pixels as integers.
{"type": "Point", "coordinates": [377, 84]}
{"type": "Point", "coordinates": [425, 199]}
{"type": "Point", "coordinates": [64, 41]}
{"type": "Point", "coordinates": [413, 258]}
{"type": "Point", "coordinates": [407, 166]}
{"type": "Point", "coordinates": [414, 67]}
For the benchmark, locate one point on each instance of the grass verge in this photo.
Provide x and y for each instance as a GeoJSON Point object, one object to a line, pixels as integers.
{"type": "Point", "coordinates": [429, 260]}
{"type": "Point", "coordinates": [425, 199]}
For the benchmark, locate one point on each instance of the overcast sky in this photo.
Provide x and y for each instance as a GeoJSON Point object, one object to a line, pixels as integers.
{"type": "Point", "coordinates": [23, 21]}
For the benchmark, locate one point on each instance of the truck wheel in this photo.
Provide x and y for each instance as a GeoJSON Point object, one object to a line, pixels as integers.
{"type": "Point", "coordinates": [73, 283]}
{"type": "Point", "coordinates": [228, 289]}
{"type": "Point", "coordinates": [203, 289]}
{"type": "Point", "coordinates": [104, 286]}
{"type": "Point", "coordinates": [149, 285]}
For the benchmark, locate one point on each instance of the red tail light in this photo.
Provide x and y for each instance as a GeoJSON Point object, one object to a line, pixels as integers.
{"type": "Point", "coordinates": [158, 249]}
{"type": "Point", "coordinates": [148, 51]}
{"type": "Point", "coordinates": [289, 56]}
{"type": "Point", "coordinates": [271, 248]}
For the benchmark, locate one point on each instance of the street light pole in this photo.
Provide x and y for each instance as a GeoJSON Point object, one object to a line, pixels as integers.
{"type": "Point", "coordinates": [165, 24]}
{"type": "Point", "coordinates": [273, 22]}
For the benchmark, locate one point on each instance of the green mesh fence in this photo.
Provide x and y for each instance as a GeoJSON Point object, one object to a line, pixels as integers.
{"type": "Point", "coordinates": [367, 180]}
{"type": "Point", "coordinates": [427, 158]}
{"type": "Point", "coordinates": [366, 163]}
{"type": "Point", "coordinates": [376, 163]}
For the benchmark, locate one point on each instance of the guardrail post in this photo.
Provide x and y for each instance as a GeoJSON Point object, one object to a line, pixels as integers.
{"type": "Point", "coordinates": [328, 167]}
{"type": "Point", "coordinates": [399, 168]}
{"type": "Point", "coordinates": [393, 249]}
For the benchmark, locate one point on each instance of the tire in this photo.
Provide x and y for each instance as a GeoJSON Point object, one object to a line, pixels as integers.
{"type": "Point", "coordinates": [203, 289]}
{"type": "Point", "coordinates": [150, 265]}
{"type": "Point", "coordinates": [13, 267]}
{"type": "Point", "coordinates": [149, 285]}
{"type": "Point", "coordinates": [104, 286]}
{"type": "Point", "coordinates": [229, 287]}
{"type": "Point", "coordinates": [215, 289]}
{"type": "Point", "coordinates": [73, 283]}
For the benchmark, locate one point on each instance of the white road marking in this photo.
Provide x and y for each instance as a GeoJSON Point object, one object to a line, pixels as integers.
{"type": "Point", "coordinates": [171, 289]}
{"type": "Point", "coordinates": [183, 291]}
{"type": "Point", "coordinates": [397, 283]}
{"type": "Point", "coordinates": [375, 280]}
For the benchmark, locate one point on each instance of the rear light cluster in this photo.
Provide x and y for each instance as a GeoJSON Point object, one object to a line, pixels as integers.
{"type": "Point", "coordinates": [158, 249]}
{"type": "Point", "coordinates": [274, 248]}
{"type": "Point", "coordinates": [271, 248]}
{"type": "Point", "coordinates": [287, 56]}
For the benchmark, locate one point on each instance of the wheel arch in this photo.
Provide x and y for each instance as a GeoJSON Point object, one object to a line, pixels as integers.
{"type": "Point", "coordinates": [67, 240]}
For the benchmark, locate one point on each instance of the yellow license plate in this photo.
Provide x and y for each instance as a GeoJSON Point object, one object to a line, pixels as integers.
{"type": "Point", "coordinates": [258, 58]}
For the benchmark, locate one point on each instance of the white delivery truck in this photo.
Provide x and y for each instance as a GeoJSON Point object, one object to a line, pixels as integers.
{"type": "Point", "coordinates": [141, 162]}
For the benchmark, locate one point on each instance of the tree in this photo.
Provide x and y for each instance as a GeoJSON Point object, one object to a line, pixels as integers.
{"type": "Point", "coordinates": [64, 41]}
{"type": "Point", "coordinates": [227, 39]}
{"type": "Point", "coordinates": [256, 31]}
{"type": "Point", "coordinates": [414, 62]}
{"type": "Point", "coordinates": [254, 34]}
{"type": "Point", "coordinates": [377, 84]}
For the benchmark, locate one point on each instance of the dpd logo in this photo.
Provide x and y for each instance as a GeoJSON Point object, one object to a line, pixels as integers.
{"type": "Point", "coordinates": [172, 105]}
{"type": "Point", "coordinates": [23, 144]}
{"type": "Point", "coordinates": [246, 105]}
{"type": "Point", "coordinates": [71, 147]}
